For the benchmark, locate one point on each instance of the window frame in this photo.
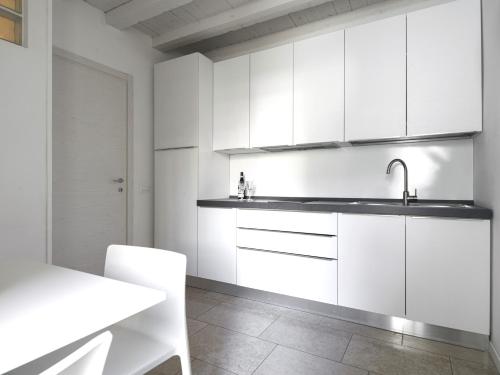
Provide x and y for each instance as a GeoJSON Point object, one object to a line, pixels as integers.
{"type": "Point", "coordinates": [19, 18]}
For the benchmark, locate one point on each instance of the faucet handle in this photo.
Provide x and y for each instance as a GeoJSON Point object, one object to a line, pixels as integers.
{"type": "Point", "coordinates": [415, 195]}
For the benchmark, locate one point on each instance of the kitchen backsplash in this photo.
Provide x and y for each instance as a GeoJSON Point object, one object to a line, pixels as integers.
{"type": "Point", "coordinates": [439, 170]}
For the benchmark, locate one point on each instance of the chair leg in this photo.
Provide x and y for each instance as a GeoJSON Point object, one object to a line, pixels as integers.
{"type": "Point", "coordinates": [185, 363]}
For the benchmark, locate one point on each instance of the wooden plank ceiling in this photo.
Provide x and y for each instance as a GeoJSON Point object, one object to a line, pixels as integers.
{"type": "Point", "coordinates": [204, 25]}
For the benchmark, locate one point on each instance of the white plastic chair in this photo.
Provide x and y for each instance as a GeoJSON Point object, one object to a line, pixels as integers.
{"type": "Point", "coordinates": [145, 340]}
{"type": "Point", "coordinates": [87, 360]}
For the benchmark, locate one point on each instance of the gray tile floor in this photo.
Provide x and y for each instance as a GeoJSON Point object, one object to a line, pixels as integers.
{"type": "Point", "coordinates": [231, 335]}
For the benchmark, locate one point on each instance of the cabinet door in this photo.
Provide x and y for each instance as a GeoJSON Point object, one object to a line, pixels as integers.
{"type": "Point", "coordinates": [271, 97]}
{"type": "Point", "coordinates": [375, 85]}
{"type": "Point", "coordinates": [304, 277]}
{"type": "Point", "coordinates": [319, 89]}
{"type": "Point", "coordinates": [448, 272]}
{"type": "Point", "coordinates": [232, 104]}
{"type": "Point", "coordinates": [176, 102]}
{"type": "Point", "coordinates": [217, 244]}
{"type": "Point", "coordinates": [176, 188]}
{"type": "Point", "coordinates": [444, 69]}
{"type": "Point", "coordinates": [371, 255]}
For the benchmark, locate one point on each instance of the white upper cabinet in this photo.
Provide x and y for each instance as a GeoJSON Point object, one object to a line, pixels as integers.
{"type": "Point", "coordinates": [319, 89]}
{"type": "Point", "coordinates": [444, 69]}
{"type": "Point", "coordinates": [271, 97]}
{"type": "Point", "coordinates": [232, 104]}
{"type": "Point", "coordinates": [448, 272]}
{"type": "Point", "coordinates": [176, 102]}
{"type": "Point", "coordinates": [375, 75]}
{"type": "Point", "coordinates": [371, 256]}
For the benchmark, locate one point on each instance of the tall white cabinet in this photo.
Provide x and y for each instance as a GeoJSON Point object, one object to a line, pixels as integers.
{"type": "Point", "coordinates": [444, 69]}
{"type": "Point", "coordinates": [271, 97]}
{"type": "Point", "coordinates": [232, 104]}
{"type": "Point", "coordinates": [186, 168]}
{"type": "Point", "coordinates": [375, 80]}
{"type": "Point", "coordinates": [371, 257]}
{"type": "Point", "coordinates": [318, 87]}
{"type": "Point", "coordinates": [448, 269]}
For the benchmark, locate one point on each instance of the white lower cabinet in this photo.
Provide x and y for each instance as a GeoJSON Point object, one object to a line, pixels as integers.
{"type": "Point", "coordinates": [431, 270]}
{"type": "Point", "coordinates": [448, 272]}
{"type": "Point", "coordinates": [293, 275]}
{"type": "Point", "coordinates": [217, 244]}
{"type": "Point", "coordinates": [371, 253]}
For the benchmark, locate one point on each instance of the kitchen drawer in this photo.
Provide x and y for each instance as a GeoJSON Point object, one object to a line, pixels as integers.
{"type": "Point", "coordinates": [288, 221]}
{"type": "Point", "coordinates": [304, 277]}
{"type": "Point", "coordinates": [324, 246]}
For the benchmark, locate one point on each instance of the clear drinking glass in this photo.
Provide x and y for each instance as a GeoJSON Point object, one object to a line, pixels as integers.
{"type": "Point", "coordinates": [250, 190]}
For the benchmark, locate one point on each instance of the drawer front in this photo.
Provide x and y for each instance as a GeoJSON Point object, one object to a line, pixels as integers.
{"type": "Point", "coordinates": [309, 278]}
{"type": "Point", "coordinates": [288, 221]}
{"type": "Point", "coordinates": [323, 246]}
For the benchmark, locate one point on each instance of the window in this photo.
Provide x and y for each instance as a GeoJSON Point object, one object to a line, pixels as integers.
{"type": "Point", "coordinates": [11, 21]}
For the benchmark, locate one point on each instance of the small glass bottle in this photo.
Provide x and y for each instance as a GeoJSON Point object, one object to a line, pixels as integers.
{"type": "Point", "coordinates": [241, 186]}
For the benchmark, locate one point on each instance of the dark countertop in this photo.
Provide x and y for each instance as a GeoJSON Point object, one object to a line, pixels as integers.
{"type": "Point", "coordinates": [433, 208]}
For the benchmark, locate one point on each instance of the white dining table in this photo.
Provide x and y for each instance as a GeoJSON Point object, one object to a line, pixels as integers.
{"type": "Point", "coordinates": [44, 308]}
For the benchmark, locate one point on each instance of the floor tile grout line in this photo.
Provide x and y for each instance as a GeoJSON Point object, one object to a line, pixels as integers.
{"type": "Point", "coordinates": [451, 365]}
{"type": "Point", "coordinates": [267, 356]}
{"type": "Point", "coordinates": [446, 354]}
{"type": "Point", "coordinates": [196, 333]}
{"type": "Point", "coordinates": [335, 329]}
{"type": "Point", "coordinates": [219, 367]}
{"type": "Point", "coordinates": [213, 364]}
{"type": "Point", "coordinates": [203, 313]}
{"type": "Point", "coordinates": [269, 326]}
{"type": "Point", "coordinates": [445, 343]}
{"type": "Point", "coordinates": [321, 357]}
{"type": "Point", "coordinates": [241, 333]}
{"type": "Point", "coordinates": [345, 351]}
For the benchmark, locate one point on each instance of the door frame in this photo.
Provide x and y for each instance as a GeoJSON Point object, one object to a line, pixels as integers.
{"type": "Point", "coordinates": [59, 52]}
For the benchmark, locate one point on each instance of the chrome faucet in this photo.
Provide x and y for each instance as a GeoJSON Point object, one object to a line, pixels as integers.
{"type": "Point", "coordinates": [406, 193]}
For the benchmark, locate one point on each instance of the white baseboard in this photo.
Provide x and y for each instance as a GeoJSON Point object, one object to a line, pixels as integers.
{"type": "Point", "coordinates": [495, 356]}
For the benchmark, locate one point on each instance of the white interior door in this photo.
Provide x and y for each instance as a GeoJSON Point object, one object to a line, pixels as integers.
{"type": "Point", "coordinates": [89, 164]}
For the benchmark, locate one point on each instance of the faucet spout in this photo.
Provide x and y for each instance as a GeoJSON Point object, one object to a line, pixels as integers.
{"type": "Point", "coordinates": [406, 193]}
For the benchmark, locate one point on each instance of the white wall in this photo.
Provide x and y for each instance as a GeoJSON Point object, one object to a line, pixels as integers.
{"type": "Point", "coordinates": [439, 170]}
{"type": "Point", "coordinates": [81, 29]}
{"type": "Point", "coordinates": [487, 150]}
{"type": "Point", "coordinates": [25, 110]}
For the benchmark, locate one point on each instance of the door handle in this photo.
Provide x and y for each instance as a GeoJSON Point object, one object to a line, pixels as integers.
{"type": "Point", "coordinates": [119, 180]}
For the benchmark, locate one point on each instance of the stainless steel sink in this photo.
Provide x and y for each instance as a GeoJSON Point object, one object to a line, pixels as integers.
{"type": "Point", "coordinates": [371, 203]}
{"type": "Point", "coordinates": [441, 205]}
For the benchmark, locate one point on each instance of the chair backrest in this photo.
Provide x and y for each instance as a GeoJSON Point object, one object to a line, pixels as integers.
{"type": "Point", "coordinates": [87, 360]}
{"type": "Point", "coordinates": [159, 269]}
